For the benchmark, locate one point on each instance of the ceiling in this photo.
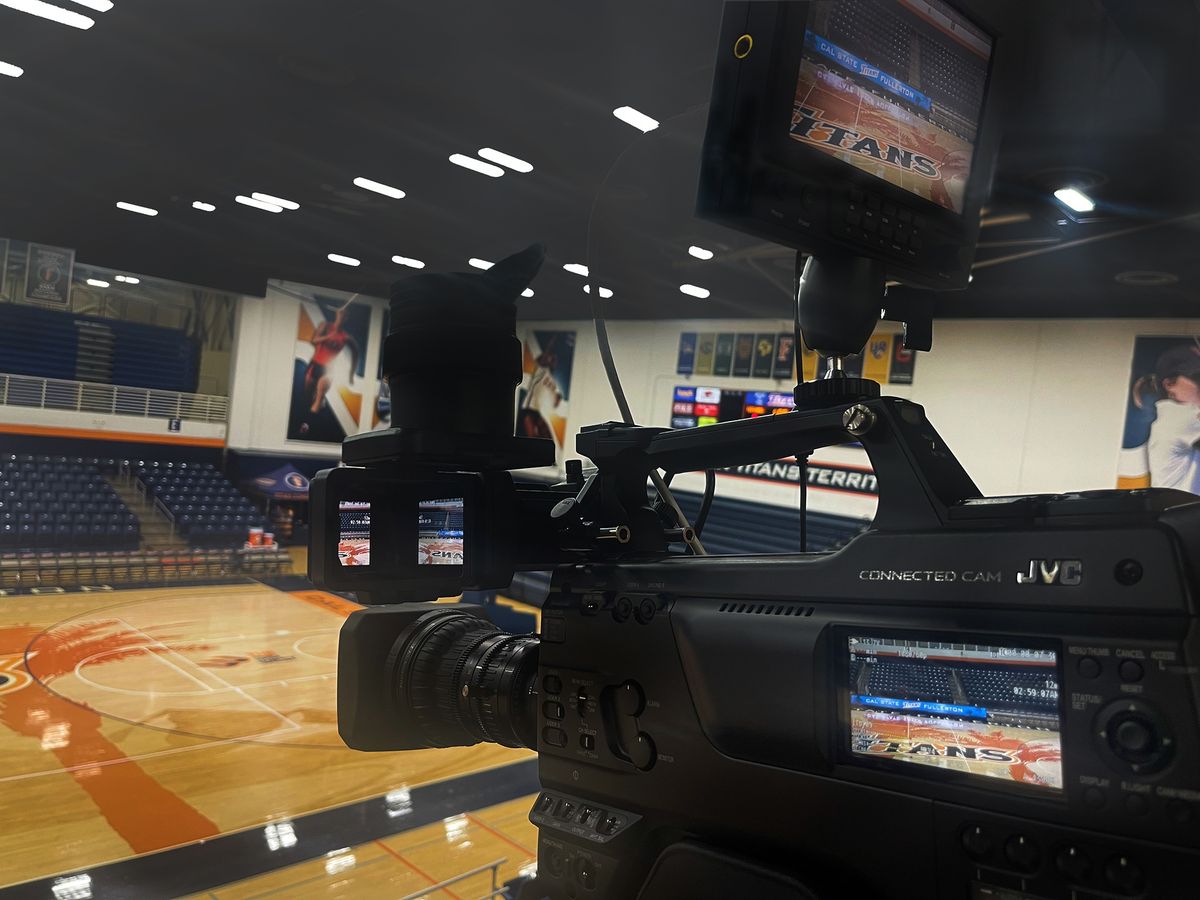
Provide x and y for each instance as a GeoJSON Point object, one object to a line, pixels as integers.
{"type": "Point", "coordinates": [165, 104]}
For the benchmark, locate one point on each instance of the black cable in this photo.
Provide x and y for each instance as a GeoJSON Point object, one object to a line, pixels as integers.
{"type": "Point", "coordinates": [710, 488]}
{"type": "Point", "coordinates": [803, 501]}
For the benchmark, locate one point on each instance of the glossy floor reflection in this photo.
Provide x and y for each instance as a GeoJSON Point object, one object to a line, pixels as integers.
{"type": "Point", "coordinates": [135, 721]}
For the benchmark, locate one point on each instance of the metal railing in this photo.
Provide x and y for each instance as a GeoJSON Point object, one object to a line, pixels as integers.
{"type": "Point", "coordinates": [115, 399]}
{"type": "Point", "coordinates": [493, 867]}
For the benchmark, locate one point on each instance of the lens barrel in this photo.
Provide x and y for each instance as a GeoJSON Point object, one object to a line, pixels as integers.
{"type": "Point", "coordinates": [463, 680]}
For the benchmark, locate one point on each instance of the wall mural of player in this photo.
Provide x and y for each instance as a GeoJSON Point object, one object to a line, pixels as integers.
{"type": "Point", "coordinates": [1161, 445]}
{"type": "Point", "coordinates": [328, 369]}
{"type": "Point", "coordinates": [546, 388]}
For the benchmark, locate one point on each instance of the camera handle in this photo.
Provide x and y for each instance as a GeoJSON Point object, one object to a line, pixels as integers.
{"type": "Point", "coordinates": [919, 478]}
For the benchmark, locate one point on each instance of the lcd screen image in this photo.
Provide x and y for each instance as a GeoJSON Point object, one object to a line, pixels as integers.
{"type": "Point", "coordinates": [354, 533]}
{"type": "Point", "coordinates": [895, 88]}
{"type": "Point", "coordinates": [990, 712]}
{"type": "Point", "coordinates": [440, 532]}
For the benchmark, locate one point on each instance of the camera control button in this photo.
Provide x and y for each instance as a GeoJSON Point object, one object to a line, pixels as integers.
{"type": "Point", "coordinates": [1094, 798]}
{"type": "Point", "coordinates": [552, 684]}
{"type": "Point", "coordinates": [1074, 864]}
{"type": "Point", "coordinates": [1022, 853]}
{"type": "Point", "coordinates": [641, 751]}
{"type": "Point", "coordinates": [1088, 667]}
{"type": "Point", "coordinates": [555, 737]}
{"type": "Point", "coordinates": [1130, 670]}
{"type": "Point", "coordinates": [977, 842]}
{"type": "Point", "coordinates": [1124, 874]}
{"type": "Point", "coordinates": [553, 710]}
{"type": "Point", "coordinates": [585, 873]}
{"type": "Point", "coordinates": [587, 741]}
{"type": "Point", "coordinates": [609, 824]}
{"type": "Point", "coordinates": [630, 701]}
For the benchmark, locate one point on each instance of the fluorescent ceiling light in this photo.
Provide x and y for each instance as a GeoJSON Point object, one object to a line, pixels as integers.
{"type": "Point", "coordinates": [51, 12]}
{"type": "Point", "coordinates": [692, 291]}
{"type": "Point", "coordinates": [276, 201]}
{"type": "Point", "coordinates": [481, 263]}
{"type": "Point", "coordinates": [510, 162]}
{"type": "Point", "coordinates": [258, 204]}
{"type": "Point", "coordinates": [133, 207]}
{"type": "Point", "coordinates": [638, 120]}
{"type": "Point", "coordinates": [407, 261]}
{"type": "Point", "coordinates": [10, 70]}
{"type": "Point", "coordinates": [604, 292]}
{"type": "Point", "coordinates": [1075, 199]}
{"type": "Point", "coordinates": [129, 279]}
{"type": "Point", "coordinates": [97, 5]}
{"type": "Point", "coordinates": [202, 206]}
{"type": "Point", "coordinates": [475, 165]}
{"type": "Point", "coordinates": [379, 187]}
{"type": "Point", "coordinates": [700, 252]}
{"type": "Point", "coordinates": [96, 282]}
{"type": "Point", "coordinates": [577, 269]}
{"type": "Point", "coordinates": [344, 260]}
{"type": "Point", "coordinates": [528, 292]}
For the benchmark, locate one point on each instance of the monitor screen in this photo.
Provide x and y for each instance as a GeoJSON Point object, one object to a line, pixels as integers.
{"type": "Point", "coordinates": [894, 88]}
{"type": "Point", "coordinates": [440, 532]}
{"type": "Point", "coordinates": [989, 712]}
{"type": "Point", "coordinates": [354, 533]}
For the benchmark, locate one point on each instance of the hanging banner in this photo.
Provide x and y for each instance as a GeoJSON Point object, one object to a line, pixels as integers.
{"type": "Point", "coordinates": [723, 356]}
{"type": "Point", "coordinates": [3, 264]}
{"type": "Point", "coordinates": [743, 355]}
{"type": "Point", "coordinates": [809, 363]}
{"type": "Point", "coordinates": [545, 394]}
{"type": "Point", "coordinates": [785, 357]}
{"type": "Point", "coordinates": [328, 368]}
{"type": "Point", "coordinates": [1161, 443]}
{"type": "Point", "coordinates": [686, 362]}
{"type": "Point", "coordinates": [764, 356]}
{"type": "Point", "coordinates": [705, 353]}
{"type": "Point", "coordinates": [903, 363]}
{"type": "Point", "coordinates": [877, 358]}
{"type": "Point", "coordinates": [48, 273]}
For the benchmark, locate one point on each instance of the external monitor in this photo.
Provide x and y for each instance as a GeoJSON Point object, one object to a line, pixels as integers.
{"type": "Point", "coordinates": [857, 127]}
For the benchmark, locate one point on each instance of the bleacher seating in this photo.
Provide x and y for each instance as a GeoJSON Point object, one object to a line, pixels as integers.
{"type": "Point", "coordinates": [207, 510]}
{"type": "Point", "coordinates": [61, 503]}
{"type": "Point", "coordinates": [742, 526]}
{"type": "Point", "coordinates": [910, 681]}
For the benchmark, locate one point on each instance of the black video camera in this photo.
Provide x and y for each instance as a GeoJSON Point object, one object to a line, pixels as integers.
{"type": "Point", "coordinates": [977, 697]}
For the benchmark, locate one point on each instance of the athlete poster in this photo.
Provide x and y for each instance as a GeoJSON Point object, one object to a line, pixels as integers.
{"type": "Point", "coordinates": [328, 368]}
{"type": "Point", "coordinates": [1161, 443]}
{"type": "Point", "coordinates": [545, 393]}
{"type": "Point", "coordinates": [48, 276]}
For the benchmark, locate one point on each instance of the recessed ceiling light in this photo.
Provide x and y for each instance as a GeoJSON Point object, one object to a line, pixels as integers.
{"type": "Point", "coordinates": [577, 269]}
{"type": "Point", "coordinates": [510, 162]}
{"type": "Point", "coordinates": [10, 70]}
{"type": "Point", "coordinates": [202, 206]}
{"type": "Point", "coordinates": [700, 252]}
{"type": "Point", "coordinates": [133, 207]}
{"type": "Point", "coordinates": [693, 291]}
{"type": "Point", "coordinates": [276, 201]}
{"type": "Point", "coordinates": [129, 279]}
{"type": "Point", "coordinates": [476, 165]}
{"type": "Point", "coordinates": [481, 263]}
{"type": "Point", "coordinates": [344, 260]}
{"type": "Point", "coordinates": [604, 292]}
{"type": "Point", "coordinates": [407, 261]}
{"type": "Point", "coordinates": [97, 5]}
{"type": "Point", "coordinates": [379, 187]}
{"type": "Point", "coordinates": [528, 292]}
{"type": "Point", "coordinates": [51, 12]}
{"type": "Point", "coordinates": [258, 204]}
{"type": "Point", "coordinates": [1075, 199]}
{"type": "Point", "coordinates": [638, 120]}
{"type": "Point", "coordinates": [96, 282]}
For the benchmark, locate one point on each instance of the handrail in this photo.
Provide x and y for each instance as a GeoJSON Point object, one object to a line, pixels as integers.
{"type": "Point", "coordinates": [478, 870]}
{"type": "Point", "coordinates": [115, 399]}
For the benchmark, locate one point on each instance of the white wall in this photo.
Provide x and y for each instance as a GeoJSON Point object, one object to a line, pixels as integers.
{"type": "Point", "coordinates": [1027, 406]}
{"type": "Point", "coordinates": [32, 420]}
{"type": "Point", "coordinates": [264, 355]}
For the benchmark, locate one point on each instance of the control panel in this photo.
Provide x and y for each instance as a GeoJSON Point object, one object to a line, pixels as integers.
{"type": "Point", "coordinates": [583, 715]}
{"type": "Point", "coordinates": [572, 834]}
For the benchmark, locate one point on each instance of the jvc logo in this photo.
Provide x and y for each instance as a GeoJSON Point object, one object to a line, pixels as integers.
{"type": "Point", "coordinates": [1052, 571]}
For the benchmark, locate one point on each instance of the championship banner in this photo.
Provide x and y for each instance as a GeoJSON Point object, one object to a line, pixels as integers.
{"type": "Point", "coordinates": [903, 363]}
{"type": "Point", "coordinates": [877, 357]}
{"type": "Point", "coordinates": [723, 355]}
{"type": "Point", "coordinates": [686, 362]}
{"type": "Point", "coordinates": [706, 346]}
{"type": "Point", "coordinates": [785, 357]}
{"type": "Point", "coordinates": [328, 368]}
{"type": "Point", "coordinates": [743, 355]}
{"type": "Point", "coordinates": [1161, 443]}
{"type": "Point", "coordinates": [764, 355]}
{"type": "Point", "coordinates": [48, 273]}
{"type": "Point", "coordinates": [545, 393]}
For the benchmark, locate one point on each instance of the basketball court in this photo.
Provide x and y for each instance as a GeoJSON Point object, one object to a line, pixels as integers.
{"type": "Point", "coordinates": [136, 721]}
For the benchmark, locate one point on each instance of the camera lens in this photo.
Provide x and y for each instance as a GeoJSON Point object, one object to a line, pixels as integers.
{"type": "Point", "coordinates": [463, 680]}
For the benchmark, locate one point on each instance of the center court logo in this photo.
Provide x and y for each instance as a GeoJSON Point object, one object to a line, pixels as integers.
{"type": "Point", "coordinates": [809, 126]}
